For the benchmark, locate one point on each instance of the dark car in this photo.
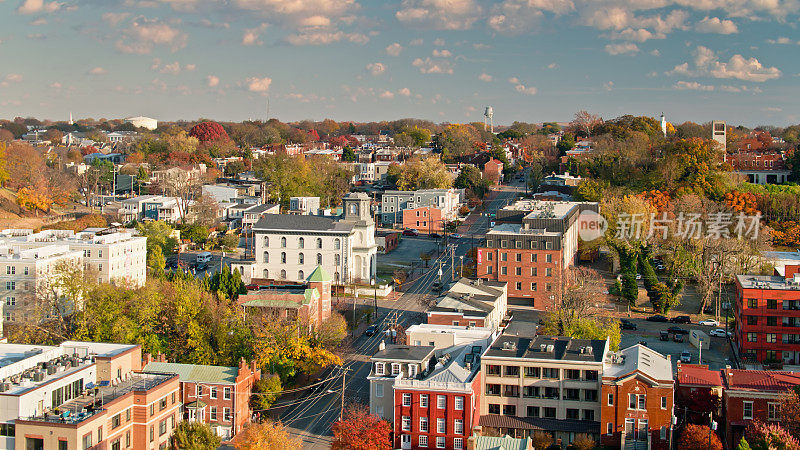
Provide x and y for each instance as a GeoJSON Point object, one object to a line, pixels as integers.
{"type": "Point", "coordinates": [371, 330]}
{"type": "Point", "coordinates": [627, 325]}
{"type": "Point", "coordinates": [455, 236]}
{"type": "Point", "coordinates": [410, 232]}
{"type": "Point", "coordinates": [644, 343]}
{"type": "Point", "coordinates": [657, 318]}
{"type": "Point", "coordinates": [681, 319]}
{"type": "Point", "coordinates": [663, 335]}
{"type": "Point", "coordinates": [202, 266]}
{"type": "Point", "coordinates": [436, 286]}
{"type": "Point", "coordinates": [677, 330]}
{"type": "Point", "coordinates": [677, 338]}
{"type": "Point", "coordinates": [435, 235]}
{"type": "Point", "coordinates": [172, 264]}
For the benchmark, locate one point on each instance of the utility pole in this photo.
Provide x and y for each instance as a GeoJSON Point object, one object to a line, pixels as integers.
{"type": "Point", "coordinates": [344, 375]}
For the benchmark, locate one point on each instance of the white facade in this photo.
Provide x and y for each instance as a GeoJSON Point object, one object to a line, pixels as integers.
{"type": "Point", "coordinates": [142, 122]}
{"type": "Point", "coordinates": [113, 257]}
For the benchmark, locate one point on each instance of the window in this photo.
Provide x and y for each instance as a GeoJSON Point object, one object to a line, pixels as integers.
{"type": "Point", "coordinates": [319, 242]}
{"type": "Point", "coordinates": [590, 395]}
{"type": "Point", "coordinates": [510, 390]}
{"type": "Point", "coordinates": [532, 372]}
{"type": "Point", "coordinates": [772, 321]}
{"type": "Point", "coordinates": [573, 414]}
{"type": "Point", "coordinates": [441, 402]}
{"type": "Point", "coordinates": [412, 370]}
{"type": "Point", "coordinates": [26, 270]}
{"type": "Point", "coordinates": [213, 413]}
{"type": "Point", "coordinates": [380, 369]}
{"type": "Point", "coordinates": [511, 371]}
{"type": "Point", "coordinates": [283, 242]}
{"type": "Point", "coordinates": [752, 320]}
{"type": "Point", "coordinates": [440, 425]}
{"type": "Point", "coordinates": [226, 414]}
{"type": "Point", "coordinates": [128, 415]}
{"type": "Point", "coordinates": [162, 428]}
{"type": "Point", "coordinates": [643, 430]}
{"type": "Point", "coordinates": [773, 411]}
{"type": "Point", "coordinates": [771, 338]}
{"type": "Point", "coordinates": [423, 401]}
{"type": "Point", "coordinates": [550, 413]}
{"type": "Point", "coordinates": [548, 272]}
{"type": "Point", "coordinates": [489, 270]}
{"type": "Point", "coordinates": [440, 442]}
{"type": "Point", "coordinates": [533, 287]}
{"type": "Point", "coordinates": [572, 394]}
{"type": "Point", "coordinates": [11, 301]}
{"type": "Point", "coordinates": [747, 410]}
{"type": "Point", "coordinates": [423, 441]}
{"type": "Point", "coordinates": [162, 404]}
{"type": "Point", "coordinates": [550, 372]}
{"type": "Point", "coordinates": [87, 441]}
{"type": "Point", "coordinates": [301, 258]}
{"type": "Point", "coordinates": [752, 303]}
{"type": "Point", "coordinates": [459, 403]}
{"type": "Point", "coordinates": [572, 374]}
{"type": "Point", "coordinates": [116, 421]}
{"type": "Point", "coordinates": [99, 267]}
{"type": "Point", "coordinates": [503, 256]}
{"type": "Point", "coordinates": [530, 391]}
{"type": "Point", "coordinates": [266, 257]}
{"type": "Point", "coordinates": [631, 401]}
{"type": "Point", "coordinates": [226, 393]}
{"type": "Point", "coordinates": [283, 274]}
{"type": "Point", "coordinates": [301, 243]}
{"type": "Point", "coordinates": [198, 391]}
{"type": "Point", "coordinates": [609, 428]}
{"type": "Point", "coordinates": [337, 244]}
{"type": "Point", "coordinates": [534, 271]}
{"type": "Point", "coordinates": [509, 410]}
{"type": "Point", "coordinates": [458, 443]}
{"type": "Point", "coordinates": [11, 270]}
{"type": "Point", "coordinates": [11, 285]}
{"type": "Point", "coordinates": [283, 257]}
{"type": "Point", "coordinates": [423, 424]}
{"type": "Point", "coordinates": [610, 399]}
{"type": "Point", "coordinates": [752, 337]}
{"type": "Point", "coordinates": [212, 392]}
{"type": "Point", "coordinates": [152, 409]}
{"type": "Point", "coordinates": [379, 390]}
{"type": "Point", "coordinates": [494, 409]}
{"type": "Point", "coordinates": [406, 423]}
{"type": "Point", "coordinates": [642, 400]}
{"type": "Point", "coordinates": [319, 259]}
{"type": "Point", "coordinates": [152, 433]}
{"type": "Point", "coordinates": [588, 414]}
{"type": "Point", "coordinates": [663, 434]}
{"type": "Point", "coordinates": [493, 369]}
{"type": "Point", "coordinates": [406, 399]}
{"type": "Point", "coordinates": [488, 256]}
{"type": "Point", "coordinates": [518, 255]}
{"type": "Point", "coordinates": [503, 270]}
{"type": "Point", "coordinates": [266, 241]}
{"type": "Point", "coordinates": [395, 369]}
{"type": "Point", "coordinates": [533, 411]}
{"type": "Point", "coordinates": [548, 257]}
{"type": "Point", "coordinates": [336, 260]}
{"type": "Point", "coordinates": [591, 375]}
{"type": "Point", "coordinates": [772, 303]}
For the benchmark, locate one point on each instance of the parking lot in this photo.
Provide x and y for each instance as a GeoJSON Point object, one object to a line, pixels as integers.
{"type": "Point", "coordinates": [717, 357]}
{"type": "Point", "coordinates": [407, 252]}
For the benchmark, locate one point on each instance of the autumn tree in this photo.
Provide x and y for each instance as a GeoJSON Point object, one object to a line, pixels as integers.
{"type": "Point", "coordinates": [193, 435]}
{"type": "Point", "coordinates": [790, 411]}
{"type": "Point", "coordinates": [34, 199]}
{"type": "Point", "coordinates": [698, 437]}
{"type": "Point", "coordinates": [156, 262]}
{"type": "Point", "coordinates": [208, 132]}
{"type": "Point", "coordinates": [332, 331]}
{"type": "Point", "coordinates": [584, 442]}
{"type": "Point", "coordinates": [743, 444]}
{"type": "Point", "coordinates": [769, 436]}
{"type": "Point", "coordinates": [541, 440]}
{"type": "Point", "coordinates": [359, 430]}
{"type": "Point", "coordinates": [264, 435]}
{"type": "Point", "coordinates": [420, 173]}
{"type": "Point", "coordinates": [265, 392]}
{"type": "Point", "coordinates": [456, 141]}
{"type": "Point", "coordinates": [584, 122]}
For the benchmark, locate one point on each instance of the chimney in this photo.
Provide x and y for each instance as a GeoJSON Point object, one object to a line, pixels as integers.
{"type": "Point", "coordinates": [148, 358]}
{"type": "Point", "coordinates": [242, 364]}
{"type": "Point", "coordinates": [382, 346]}
{"type": "Point", "coordinates": [162, 357]}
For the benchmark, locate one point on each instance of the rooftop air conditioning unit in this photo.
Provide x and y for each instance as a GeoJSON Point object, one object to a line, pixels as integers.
{"type": "Point", "coordinates": [550, 348]}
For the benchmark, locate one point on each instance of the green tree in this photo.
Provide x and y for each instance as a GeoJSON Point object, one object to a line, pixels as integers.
{"type": "Point", "coordinates": [158, 234]}
{"type": "Point", "coordinates": [226, 284]}
{"type": "Point", "coordinates": [348, 154]}
{"type": "Point", "coordinates": [265, 392]}
{"type": "Point", "coordinates": [470, 178]}
{"type": "Point", "coordinates": [535, 175]}
{"type": "Point", "coordinates": [193, 435]}
{"type": "Point", "coordinates": [156, 262]}
{"type": "Point", "coordinates": [418, 173]}
{"type": "Point", "coordinates": [590, 190]}
{"type": "Point", "coordinates": [743, 445]}
{"type": "Point", "coordinates": [566, 142]}
{"type": "Point", "coordinates": [4, 175]}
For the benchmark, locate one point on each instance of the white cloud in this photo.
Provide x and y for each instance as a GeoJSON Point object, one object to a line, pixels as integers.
{"type": "Point", "coordinates": [387, 94]}
{"type": "Point", "coordinates": [439, 14]}
{"type": "Point", "coordinates": [736, 89]}
{"type": "Point", "coordinates": [481, 46]}
{"type": "Point", "coordinates": [97, 71]}
{"type": "Point", "coordinates": [552, 66]}
{"type": "Point", "coordinates": [14, 78]}
{"type": "Point", "coordinates": [376, 68]}
{"type": "Point", "coordinates": [144, 34]}
{"type": "Point", "coordinates": [325, 37]}
{"type": "Point", "coordinates": [113, 19]}
{"type": "Point", "coordinates": [707, 63]}
{"type": "Point", "coordinates": [251, 35]}
{"type": "Point", "coordinates": [190, 67]}
{"type": "Point", "coordinates": [415, 42]}
{"type": "Point", "coordinates": [255, 84]}
{"type": "Point", "coordinates": [429, 65]}
{"type": "Point", "coordinates": [442, 53]}
{"type": "Point", "coordinates": [212, 81]}
{"type": "Point", "coordinates": [55, 85]}
{"type": "Point", "coordinates": [39, 21]}
{"type": "Point", "coordinates": [692, 86]}
{"type": "Point", "coordinates": [625, 48]}
{"type": "Point", "coordinates": [655, 52]}
{"type": "Point", "coordinates": [716, 25]}
{"type": "Point", "coordinates": [782, 41]}
{"type": "Point", "coordinates": [405, 92]}
{"type": "Point", "coordinates": [516, 16]}
{"type": "Point", "coordinates": [513, 80]}
{"type": "Point", "coordinates": [609, 85]}
{"type": "Point", "coordinates": [439, 42]}
{"type": "Point", "coordinates": [485, 77]}
{"type": "Point", "coordinates": [521, 88]}
{"type": "Point", "coordinates": [394, 49]}
{"type": "Point", "coordinates": [37, 6]}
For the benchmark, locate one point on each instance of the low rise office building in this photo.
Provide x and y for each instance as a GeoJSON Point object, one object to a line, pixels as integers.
{"type": "Point", "coordinates": [474, 303]}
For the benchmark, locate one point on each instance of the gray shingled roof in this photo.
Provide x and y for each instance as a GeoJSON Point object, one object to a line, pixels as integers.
{"type": "Point", "coordinates": [404, 352]}
{"type": "Point", "coordinates": [564, 348]}
{"type": "Point", "coordinates": [301, 223]}
{"type": "Point", "coordinates": [539, 423]}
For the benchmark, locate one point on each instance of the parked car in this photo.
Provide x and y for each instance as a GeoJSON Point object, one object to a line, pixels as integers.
{"type": "Point", "coordinates": [681, 319]}
{"type": "Point", "coordinates": [627, 324]}
{"type": "Point", "coordinates": [709, 322]}
{"type": "Point", "coordinates": [663, 335]}
{"type": "Point", "coordinates": [677, 330]}
{"type": "Point", "coordinates": [435, 235]}
{"type": "Point", "coordinates": [371, 330]}
{"type": "Point", "coordinates": [661, 267]}
{"type": "Point", "coordinates": [719, 332]}
{"type": "Point", "coordinates": [410, 232]}
{"type": "Point", "coordinates": [686, 357]}
{"type": "Point", "coordinates": [644, 343]}
{"type": "Point", "coordinates": [455, 236]}
{"type": "Point", "coordinates": [638, 276]}
{"type": "Point", "coordinates": [657, 318]}
{"type": "Point", "coordinates": [677, 337]}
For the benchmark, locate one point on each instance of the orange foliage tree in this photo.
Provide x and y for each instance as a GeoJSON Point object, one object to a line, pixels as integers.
{"type": "Point", "coordinates": [743, 202]}
{"type": "Point", "coordinates": [33, 200]}
{"type": "Point", "coordinates": [267, 434]}
{"type": "Point", "coordinates": [657, 199]}
{"type": "Point", "coordinates": [699, 437]}
{"type": "Point", "coordinates": [360, 430]}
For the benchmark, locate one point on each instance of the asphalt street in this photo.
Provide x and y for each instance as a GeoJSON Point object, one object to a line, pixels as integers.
{"type": "Point", "coordinates": [312, 416]}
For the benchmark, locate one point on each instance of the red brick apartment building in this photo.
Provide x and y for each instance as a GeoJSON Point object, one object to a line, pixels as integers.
{"type": "Point", "coordinates": [636, 404]}
{"type": "Point", "coordinates": [767, 310]}
{"type": "Point", "coordinates": [493, 171]}
{"type": "Point", "coordinates": [750, 395]}
{"type": "Point", "coordinates": [216, 395]}
{"type": "Point", "coordinates": [423, 219]}
{"type": "Point", "coordinates": [532, 249]}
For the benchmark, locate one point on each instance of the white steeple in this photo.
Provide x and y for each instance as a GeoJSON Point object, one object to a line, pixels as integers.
{"type": "Point", "coordinates": [70, 118]}
{"type": "Point", "coordinates": [663, 125]}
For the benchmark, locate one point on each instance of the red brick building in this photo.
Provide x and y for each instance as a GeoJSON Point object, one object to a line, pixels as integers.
{"type": "Point", "coordinates": [767, 310]}
{"type": "Point", "coordinates": [493, 171]}
{"type": "Point", "coordinates": [425, 219]}
{"type": "Point", "coordinates": [699, 390]}
{"type": "Point", "coordinates": [216, 395]}
{"type": "Point", "coordinates": [636, 402]}
{"type": "Point", "coordinates": [750, 395]}
{"type": "Point", "coordinates": [533, 250]}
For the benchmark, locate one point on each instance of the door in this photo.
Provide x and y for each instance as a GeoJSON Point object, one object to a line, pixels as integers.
{"type": "Point", "coordinates": [405, 441]}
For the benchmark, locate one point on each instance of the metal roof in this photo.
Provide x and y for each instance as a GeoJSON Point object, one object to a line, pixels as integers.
{"type": "Point", "coordinates": [195, 372]}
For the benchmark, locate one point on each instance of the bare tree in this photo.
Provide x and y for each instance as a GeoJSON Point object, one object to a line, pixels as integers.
{"type": "Point", "coordinates": [180, 184]}
{"type": "Point", "coordinates": [586, 122]}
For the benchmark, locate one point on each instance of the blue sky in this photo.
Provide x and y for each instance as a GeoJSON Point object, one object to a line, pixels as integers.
{"type": "Point", "coordinates": [363, 60]}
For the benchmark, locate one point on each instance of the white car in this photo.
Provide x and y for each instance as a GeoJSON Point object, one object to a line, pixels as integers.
{"type": "Point", "coordinates": [709, 322]}
{"type": "Point", "coordinates": [719, 332]}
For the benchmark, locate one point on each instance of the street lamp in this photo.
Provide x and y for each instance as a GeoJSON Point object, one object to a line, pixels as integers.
{"type": "Point", "coordinates": [462, 266]}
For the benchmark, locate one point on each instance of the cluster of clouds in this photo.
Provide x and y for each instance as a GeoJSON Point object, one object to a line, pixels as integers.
{"type": "Point", "coordinates": [708, 64]}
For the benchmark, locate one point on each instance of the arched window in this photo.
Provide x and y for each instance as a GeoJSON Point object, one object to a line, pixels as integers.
{"type": "Point", "coordinates": [283, 257]}
{"type": "Point", "coordinates": [283, 274]}
{"type": "Point", "coordinates": [266, 241]}
{"type": "Point", "coordinates": [319, 259]}
{"type": "Point", "coordinates": [301, 259]}
{"type": "Point", "coordinates": [319, 242]}
{"type": "Point", "coordinates": [337, 244]}
{"type": "Point", "coordinates": [266, 273]}
{"type": "Point", "coordinates": [301, 243]}
{"type": "Point", "coordinates": [336, 259]}
{"type": "Point", "coordinates": [301, 275]}
{"type": "Point", "coordinates": [266, 257]}
{"type": "Point", "coordinates": [283, 242]}
{"type": "Point", "coordinates": [336, 277]}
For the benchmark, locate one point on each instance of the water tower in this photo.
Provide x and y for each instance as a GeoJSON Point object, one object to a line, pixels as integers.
{"type": "Point", "coordinates": [488, 118]}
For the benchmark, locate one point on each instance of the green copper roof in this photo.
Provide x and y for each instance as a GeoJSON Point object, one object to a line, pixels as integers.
{"type": "Point", "coordinates": [319, 274]}
{"type": "Point", "coordinates": [195, 372]}
{"type": "Point", "coordinates": [309, 295]}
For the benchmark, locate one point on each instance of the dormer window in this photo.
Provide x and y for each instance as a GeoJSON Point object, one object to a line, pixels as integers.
{"type": "Point", "coordinates": [395, 369]}
{"type": "Point", "coordinates": [412, 370]}
{"type": "Point", "coordinates": [380, 369]}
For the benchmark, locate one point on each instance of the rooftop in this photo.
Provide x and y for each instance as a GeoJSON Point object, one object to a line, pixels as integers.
{"type": "Point", "coordinates": [760, 380]}
{"type": "Point", "coordinates": [279, 298]}
{"type": "Point", "coordinates": [502, 443]}
{"type": "Point", "coordinates": [553, 348]}
{"type": "Point", "coordinates": [195, 372]}
{"type": "Point", "coordinates": [539, 423]}
{"type": "Point", "coordinates": [698, 374]}
{"type": "Point", "coordinates": [404, 352]}
{"type": "Point", "coordinates": [517, 228]}
{"type": "Point", "coordinates": [639, 358]}
{"type": "Point", "coordinates": [291, 222]}
{"type": "Point", "coordinates": [769, 282]}
{"type": "Point", "coordinates": [542, 209]}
